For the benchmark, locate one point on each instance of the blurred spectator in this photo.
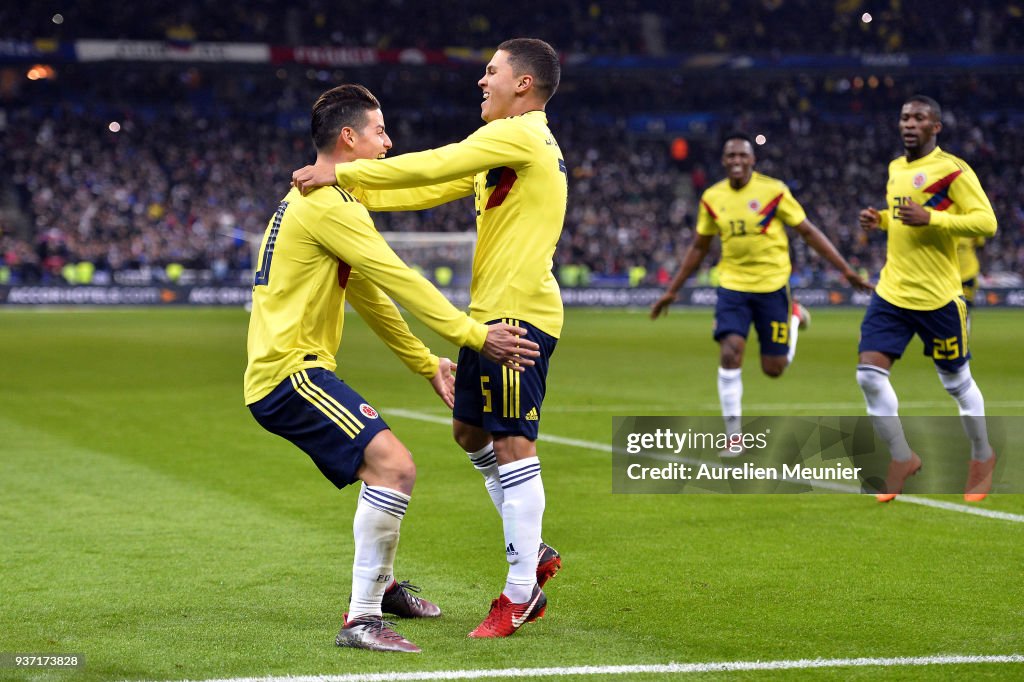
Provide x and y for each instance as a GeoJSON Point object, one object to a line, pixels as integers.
{"type": "Point", "coordinates": [200, 158]}
{"type": "Point", "coordinates": [594, 26]}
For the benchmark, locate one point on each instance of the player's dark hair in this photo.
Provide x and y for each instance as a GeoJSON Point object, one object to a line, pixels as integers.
{"type": "Point", "coordinates": [537, 58]}
{"type": "Point", "coordinates": [340, 107]}
{"type": "Point", "coordinates": [928, 102]}
{"type": "Point", "coordinates": [737, 135]}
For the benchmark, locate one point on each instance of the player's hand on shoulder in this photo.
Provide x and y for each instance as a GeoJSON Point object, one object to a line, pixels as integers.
{"type": "Point", "coordinates": [309, 178]}
{"type": "Point", "coordinates": [508, 345]}
{"type": "Point", "coordinates": [869, 218]}
{"type": "Point", "coordinates": [660, 307]}
{"type": "Point", "coordinates": [443, 381]}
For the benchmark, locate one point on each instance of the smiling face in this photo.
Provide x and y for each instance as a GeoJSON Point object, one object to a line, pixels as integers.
{"type": "Point", "coordinates": [370, 141]}
{"type": "Point", "coordinates": [500, 86]}
{"type": "Point", "coordinates": [918, 127]}
{"type": "Point", "coordinates": [738, 160]}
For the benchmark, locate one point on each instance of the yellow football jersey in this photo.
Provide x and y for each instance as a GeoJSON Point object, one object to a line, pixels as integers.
{"type": "Point", "coordinates": [921, 270]}
{"type": "Point", "coordinates": [515, 169]}
{"type": "Point", "coordinates": [317, 249]}
{"type": "Point", "coordinates": [751, 222]}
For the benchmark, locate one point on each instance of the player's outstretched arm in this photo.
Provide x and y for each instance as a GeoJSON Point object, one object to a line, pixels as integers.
{"type": "Point", "coordinates": [507, 345]}
{"type": "Point", "coordinates": [384, 319]}
{"type": "Point", "coordinates": [817, 240]}
{"type": "Point", "coordinates": [444, 381]}
{"type": "Point", "coordinates": [691, 261]}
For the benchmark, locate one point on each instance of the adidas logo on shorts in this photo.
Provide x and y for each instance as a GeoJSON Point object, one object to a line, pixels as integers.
{"type": "Point", "coordinates": [532, 415]}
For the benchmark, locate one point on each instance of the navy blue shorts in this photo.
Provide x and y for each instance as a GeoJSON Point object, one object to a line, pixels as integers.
{"type": "Point", "coordinates": [770, 312]}
{"type": "Point", "coordinates": [321, 414]}
{"type": "Point", "coordinates": [498, 400]}
{"type": "Point", "coordinates": [888, 329]}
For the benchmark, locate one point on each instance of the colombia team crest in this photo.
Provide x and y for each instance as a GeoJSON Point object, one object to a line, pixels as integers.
{"type": "Point", "coordinates": [754, 205]}
{"type": "Point", "coordinates": [919, 180]}
{"type": "Point", "coordinates": [368, 411]}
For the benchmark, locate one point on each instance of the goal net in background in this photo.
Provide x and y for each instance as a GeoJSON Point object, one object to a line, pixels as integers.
{"type": "Point", "coordinates": [444, 258]}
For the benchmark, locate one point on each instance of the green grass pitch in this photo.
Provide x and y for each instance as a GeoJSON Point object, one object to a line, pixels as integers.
{"type": "Point", "coordinates": [150, 524]}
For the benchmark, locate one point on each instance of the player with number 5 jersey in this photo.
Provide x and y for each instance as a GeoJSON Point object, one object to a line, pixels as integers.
{"type": "Point", "coordinates": [515, 171]}
{"type": "Point", "coordinates": [318, 251]}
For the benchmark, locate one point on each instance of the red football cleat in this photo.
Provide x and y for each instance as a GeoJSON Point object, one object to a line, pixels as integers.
{"type": "Point", "coordinates": [979, 479]}
{"type": "Point", "coordinates": [505, 617]}
{"type": "Point", "coordinates": [898, 474]}
{"type": "Point", "coordinates": [803, 316]}
{"type": "Point", "coordinates": [549, 562]}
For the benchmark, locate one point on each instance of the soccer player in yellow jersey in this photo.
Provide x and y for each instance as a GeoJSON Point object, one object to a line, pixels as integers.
{"type": "Point", "coordinates": [320, 250]}
{"type": "Point", "coordinates": [750, 212]}
{"type": "Point", "coordinates": [932, 200]}
{"type": "Point", "coordinates": [515, 170]}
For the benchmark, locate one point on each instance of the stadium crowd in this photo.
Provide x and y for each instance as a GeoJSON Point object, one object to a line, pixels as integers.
{"type": "Point", "coordinates": [186, 189]}
{"type": "Point", "coordinates": [623, 27]}
{"type": "Point", "coordinates": [202, 154]}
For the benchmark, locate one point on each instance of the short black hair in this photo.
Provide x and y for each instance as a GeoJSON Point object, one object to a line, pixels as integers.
{"type": "Point", "coordinates": [737, 135]}
{"type": "Point", "coordinates": [929, 102]}
{"type": "Point", "coordinates": [340, 107]}
{"type": "Point", "coordinates": [537, 58]}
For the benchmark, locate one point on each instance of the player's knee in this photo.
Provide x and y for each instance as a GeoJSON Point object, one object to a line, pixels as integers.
{"type": "Point", "coordinates": [958, 381]}
{"type": "Point", "coordinates": [774, 366]}
{"type": "Point", "coordinates": [872, 380]}
{"type": "Point", "coordinates": [731, 357]}
{"type": "Point", "coordinates": [511, 448]}
{"type": "Point", "coordinates": [731, 353]}
{"type": "Point", "coordinates": [388, 463]}
{"type": "Point", "coordinates": [470, 438]}
{"type": "Point", "coordinates": [401, 472]}
{"type": "Point", "coordinates": [398, 473]}
{"type": "Point", "coordinates": [407, 474]}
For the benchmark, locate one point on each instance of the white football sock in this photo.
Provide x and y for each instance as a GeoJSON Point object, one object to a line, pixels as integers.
{"type": "Point", "coordinates": [883, 407]}
{"type": "Point", "coordinates": [375, 528]}
{"type": "Point", "coordinates": [730, 396]}
{"type": "Point", "coordinates": [522, 514]}
{"type": "Point", "coordinates": [965, 391]}
{"type": "Point", "coordinates": [487, 464]}
{"type": "Point", "coordinates": [794, 330]}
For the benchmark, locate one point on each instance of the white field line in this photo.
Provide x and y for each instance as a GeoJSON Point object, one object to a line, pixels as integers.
{"type": "Point", "coordinates": [853, 408]}
{"type": "Point", "coordinates": [606, 447]}
{"type": "Point", "coordinates": [658, 668]}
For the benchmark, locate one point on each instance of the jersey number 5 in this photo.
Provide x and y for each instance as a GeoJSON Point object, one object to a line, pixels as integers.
{"type": "Point", "coordinates": [263, 274]}
{"type": "Point", "coordinates": [485, 393]}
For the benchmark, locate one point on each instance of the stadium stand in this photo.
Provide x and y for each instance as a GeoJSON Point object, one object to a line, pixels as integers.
{"type": "Point", "coordinates": [203, 149]}
{"type": "Point", "coordinates": [626, 28]}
